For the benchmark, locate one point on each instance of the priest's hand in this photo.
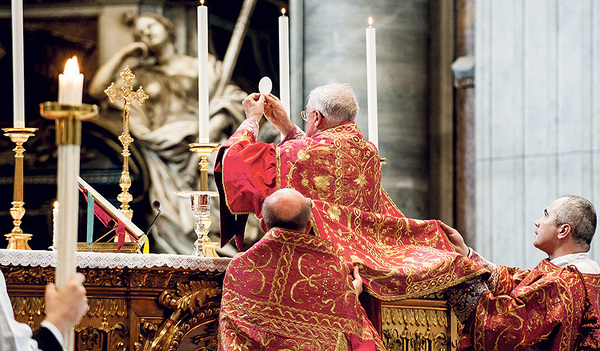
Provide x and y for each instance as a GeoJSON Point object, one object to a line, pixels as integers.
{"type": "Point", "coordinates": [254, 105]}
{"type": "Point", "coordinates": [357, 282]}
{"type": "Point", "coordinates": [66, 306]}
{"type": "Point", "coordinates": [275, 113]}
{"type": "Point", "coordinates": [456, 240]}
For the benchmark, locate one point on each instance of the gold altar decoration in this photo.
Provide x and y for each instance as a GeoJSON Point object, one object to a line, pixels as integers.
{"type": "Point", "coordinates": [16, 238]}
{"type": "Point", "coordinates": [130, 307]}
{"type": "Point", "coordinates": [127, 95]}
{"type": "Point", "coordinates": [419, 324]}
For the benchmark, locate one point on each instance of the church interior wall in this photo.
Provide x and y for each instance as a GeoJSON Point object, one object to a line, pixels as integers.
{"type": "Point", "coordinates": [537, 118]}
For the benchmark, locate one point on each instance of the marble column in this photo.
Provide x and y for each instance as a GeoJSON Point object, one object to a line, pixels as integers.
{"type": "Point", "coordinates": [333, 50]}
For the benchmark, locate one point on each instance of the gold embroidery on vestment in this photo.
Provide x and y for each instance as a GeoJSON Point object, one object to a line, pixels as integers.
{"type": "Point", "coordinates": [334, 212]}
{"type": "Point", "coordinates": [302, 155]}
{"type": "Point", "coordinates": [322, 182]}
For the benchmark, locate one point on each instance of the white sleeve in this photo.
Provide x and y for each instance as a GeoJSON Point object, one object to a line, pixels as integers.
{"type": "Point", "coordinates": [14, 336]}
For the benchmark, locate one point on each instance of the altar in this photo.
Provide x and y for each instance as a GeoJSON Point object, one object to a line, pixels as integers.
{"type": "Point", "coordinates": [137, 301]}
{"type": "Point", "coordinates": [171, 302]}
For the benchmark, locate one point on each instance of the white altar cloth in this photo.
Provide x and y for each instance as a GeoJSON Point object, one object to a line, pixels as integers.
{"type": "Point", "coordinates": [39, 258]}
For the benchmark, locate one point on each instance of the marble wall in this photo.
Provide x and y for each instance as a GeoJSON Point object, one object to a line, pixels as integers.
{"type": "Point", "coordinates": [332, 49]}
{"type": "Point", "coordinates": [537, 115]}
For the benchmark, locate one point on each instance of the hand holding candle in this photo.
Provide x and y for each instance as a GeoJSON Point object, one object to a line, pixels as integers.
{"type": "Point", "coordinates": [70, 84]}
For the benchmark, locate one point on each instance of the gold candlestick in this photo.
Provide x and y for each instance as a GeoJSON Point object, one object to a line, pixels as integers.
{"type": "Point", "coordinates": [127, 95]}
{"type": "Point", "coordinates": [16, 238]}
{"type": "Point", "coordinates": [201, 202]}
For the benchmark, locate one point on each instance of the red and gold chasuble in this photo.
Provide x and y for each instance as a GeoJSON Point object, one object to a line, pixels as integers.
{"type": "Point", "coordinates": [290, 291]}
{"type": "Point", "coordinates": [542, 309]}
{"type": "Point", "coordinates": [399, 257]}
{"type": "Point", "coordinates": [341, 172]}
{"type": "Point", "coordinates": [336, 165]}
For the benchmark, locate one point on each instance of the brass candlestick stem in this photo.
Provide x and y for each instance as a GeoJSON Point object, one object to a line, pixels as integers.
{"type": "Point", "coordinates": [127, 95]}
{"type": "Point", "coordinates": [16, 238]}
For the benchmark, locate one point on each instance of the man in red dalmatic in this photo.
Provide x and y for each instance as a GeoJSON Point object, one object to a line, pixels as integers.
{"type": "Point", "coordinates": [334, 165]}
{"type": "Point", "coordinates": [290, 291]}
{"type": "Point", "coordinates": [553, 307]}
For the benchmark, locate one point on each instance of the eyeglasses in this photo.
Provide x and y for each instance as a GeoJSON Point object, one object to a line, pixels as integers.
{"type": "Point", "coordinates": [305, 114]}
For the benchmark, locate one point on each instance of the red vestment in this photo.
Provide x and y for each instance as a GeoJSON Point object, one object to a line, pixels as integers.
{"type": "Point", "coordinates": [340, 171]}
{"type": "Point", "coordinates": [290, 291]}
{"type": "Point", "coordinates": [336, 165]}
{"type": "Point", "coordinates": [542, 309]}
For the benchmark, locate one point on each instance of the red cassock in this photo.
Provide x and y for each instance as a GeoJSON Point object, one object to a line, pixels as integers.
{"type": "Point", "coordinates": [547, 308]}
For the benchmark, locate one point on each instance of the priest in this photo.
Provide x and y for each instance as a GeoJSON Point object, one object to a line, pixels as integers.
{"type": "Point", "coordinates": [555, 306]}
{"type": "Point", "coordinates": [340, 171]}
{"type": "Point", "coordinates": [276, 298]}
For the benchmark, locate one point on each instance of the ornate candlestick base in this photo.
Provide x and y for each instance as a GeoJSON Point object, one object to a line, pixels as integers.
{"type": "Point", "coordinates": [18, 241]}
{"type": "Point", "coordinates": [16, 238]}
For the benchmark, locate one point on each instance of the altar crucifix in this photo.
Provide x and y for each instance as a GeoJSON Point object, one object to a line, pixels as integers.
{"type": "Point", "coordinates": [127, 95]}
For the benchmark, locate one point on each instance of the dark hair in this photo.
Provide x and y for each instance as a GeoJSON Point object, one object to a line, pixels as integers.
{"type": "Point", "coordinates": [298, 222]}
{"type": "Point", "coordinates": [579, 213]}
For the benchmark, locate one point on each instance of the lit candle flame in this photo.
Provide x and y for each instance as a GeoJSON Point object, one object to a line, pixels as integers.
{"type": "Point", "coordinates": [201, 2]}
{"type": "Point", "coordinates": [370, 21]}
{"type": "Point", "coordinates": [71, 67]}
{"type": "Point", "coordinates": [283, 11]}
{"type": "Point", "coordinates": [55, 205]}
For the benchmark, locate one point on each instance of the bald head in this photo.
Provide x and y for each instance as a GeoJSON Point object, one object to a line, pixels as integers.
{"type": "Point", "coordinates": [335, 101]}
{"type": "Point", "coordinates": [286, 208]}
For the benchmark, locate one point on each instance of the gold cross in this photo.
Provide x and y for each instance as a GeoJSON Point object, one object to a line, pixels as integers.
{"type": "Point", "coordinates": [128, 95]}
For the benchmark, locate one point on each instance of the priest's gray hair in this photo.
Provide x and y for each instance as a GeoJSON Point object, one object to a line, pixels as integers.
{"type": "Point", "coordinates": [336, 101]}
{"type": "Point", "coordinates": [579, 213]}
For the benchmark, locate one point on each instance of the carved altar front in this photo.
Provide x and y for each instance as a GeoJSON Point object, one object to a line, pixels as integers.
{"type": "Point", "coordinates": [419, 324]}
{"type": "Point", "coordinates": [137, 302]}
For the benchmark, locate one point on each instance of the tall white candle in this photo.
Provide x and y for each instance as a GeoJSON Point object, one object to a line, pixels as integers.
{"type": "Point", "coordinates": [66, 236]}
{"type": "Point", "coordinates": [372, 84]}
{"type": "Point", "coordinates": [18, 64]}
{"type": "Point", "coordinates": [203, 73]}
{"type": "Point", "coordinates": [70, 84]}
{"type": "Point", "coordinates": [284, 61]}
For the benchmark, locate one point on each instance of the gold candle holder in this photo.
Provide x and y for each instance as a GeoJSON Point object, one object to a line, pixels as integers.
{"type": "Point", "coordinates": [68, 120]}
{"type": "Point", "coordinates": [17, 240]}
{"type": "Point", "coordinates": [203, 150]}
